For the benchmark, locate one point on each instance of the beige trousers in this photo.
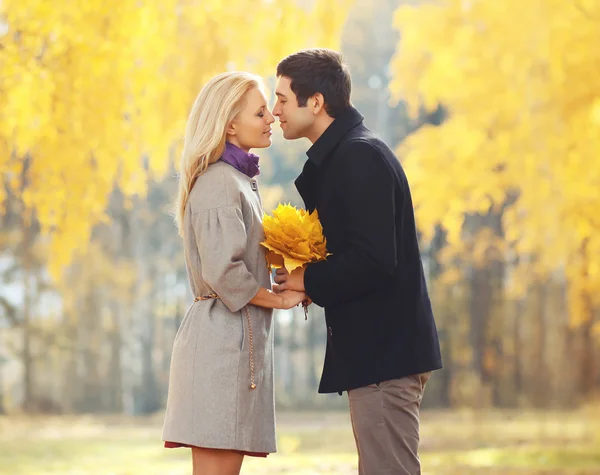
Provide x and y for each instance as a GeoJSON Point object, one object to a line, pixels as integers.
{"type": "Point", "coordinates": [385, 421]}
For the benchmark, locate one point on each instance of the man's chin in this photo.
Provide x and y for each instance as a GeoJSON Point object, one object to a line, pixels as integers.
{"type": "Point", "coordinates": [290, 136]}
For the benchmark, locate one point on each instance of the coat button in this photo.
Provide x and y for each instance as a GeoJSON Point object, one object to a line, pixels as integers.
{"type": "Point", "coordinates": [330, 331]}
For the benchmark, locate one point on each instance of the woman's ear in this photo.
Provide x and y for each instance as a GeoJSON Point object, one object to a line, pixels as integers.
{"type": "Point", "coordinates": [230, 130]}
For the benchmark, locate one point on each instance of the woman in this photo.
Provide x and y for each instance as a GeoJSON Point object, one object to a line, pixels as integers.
{"type": "Point", "coordinates": [221, 401]}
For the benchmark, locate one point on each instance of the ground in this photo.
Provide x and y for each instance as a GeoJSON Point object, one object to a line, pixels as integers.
{"type": "Point", "coordinates": [452, 443]}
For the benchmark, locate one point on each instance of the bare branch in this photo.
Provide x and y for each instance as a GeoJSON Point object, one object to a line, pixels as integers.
{"type": "Point", "coordinates": [10, 312]}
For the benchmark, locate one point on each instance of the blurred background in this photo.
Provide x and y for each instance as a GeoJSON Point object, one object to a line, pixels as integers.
{"type": "Point", "coordinates": [493, 108]}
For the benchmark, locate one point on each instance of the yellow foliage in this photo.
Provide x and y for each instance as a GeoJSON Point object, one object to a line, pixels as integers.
{"type": "Point", "coordinates": [97, 93]}
{"type": "Point", "coordinates": [519, 82]}
{"type": "Point", "coordinates": [293, 238]}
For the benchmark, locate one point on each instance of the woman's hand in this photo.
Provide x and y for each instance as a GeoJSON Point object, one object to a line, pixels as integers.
{"type": "Point", "coordinates": [291, 298]}
{"type": "Point", "coordinates": [278, 298]}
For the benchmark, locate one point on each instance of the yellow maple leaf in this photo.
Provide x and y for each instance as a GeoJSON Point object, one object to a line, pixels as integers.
{"type": "Point", "coordinates": [293, 238]}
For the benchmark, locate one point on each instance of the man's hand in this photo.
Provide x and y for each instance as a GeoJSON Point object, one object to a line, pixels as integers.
{"type": "Point", "coordinates": [287, 281]}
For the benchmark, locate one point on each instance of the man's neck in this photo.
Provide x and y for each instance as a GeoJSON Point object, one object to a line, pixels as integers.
{"type": "Point", "coordinates": [318, 128]}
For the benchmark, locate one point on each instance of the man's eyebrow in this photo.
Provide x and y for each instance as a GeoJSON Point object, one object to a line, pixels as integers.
{"type": "Point", "coordinates": [279, 94]}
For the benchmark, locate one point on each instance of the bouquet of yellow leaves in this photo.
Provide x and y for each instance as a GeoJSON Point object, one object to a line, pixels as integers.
{"type": "Point", "coordinates": [293, 237]}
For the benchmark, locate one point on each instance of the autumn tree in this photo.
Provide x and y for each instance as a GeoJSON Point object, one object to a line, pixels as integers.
{"type": "Point", "coordinates": [98, 94]}
{"type": "Point", "coordinates": [521, 139]}
{"type": "Point", "coordinates": [93, 103]}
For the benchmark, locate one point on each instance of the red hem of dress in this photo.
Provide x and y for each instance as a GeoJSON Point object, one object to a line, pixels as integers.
{"type": "Point", "coordinates": [174, 445]}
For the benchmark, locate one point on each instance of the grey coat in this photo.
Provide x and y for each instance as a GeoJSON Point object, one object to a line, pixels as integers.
{"type": "Point", "coordinates": [210, 403]}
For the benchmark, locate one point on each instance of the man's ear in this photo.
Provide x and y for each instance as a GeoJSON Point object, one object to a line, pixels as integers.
{"type": "Point", "coordinates": [318, 103]}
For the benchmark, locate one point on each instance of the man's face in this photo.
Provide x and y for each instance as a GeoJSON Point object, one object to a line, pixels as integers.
{"type": "Point", "coordinates": [295, 121]}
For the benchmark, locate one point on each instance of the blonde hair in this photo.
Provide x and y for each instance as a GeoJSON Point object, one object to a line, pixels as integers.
{"type": "Point", "coordinates": [217, 104]}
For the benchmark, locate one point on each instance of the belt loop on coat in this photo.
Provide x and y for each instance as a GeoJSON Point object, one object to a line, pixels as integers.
{"type": "Point", "coordinates": [250, 337]}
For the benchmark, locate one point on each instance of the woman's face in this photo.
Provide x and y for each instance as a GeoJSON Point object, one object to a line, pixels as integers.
{"type": "Point", "coordinates": [252, 127]}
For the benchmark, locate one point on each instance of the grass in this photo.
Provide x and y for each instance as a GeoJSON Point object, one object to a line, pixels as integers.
{"type": "Point", "coordinates": [453, 443]}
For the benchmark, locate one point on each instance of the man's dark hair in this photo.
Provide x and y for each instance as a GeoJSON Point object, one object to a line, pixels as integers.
{"type": "Point", "coordinates": [318, 70]}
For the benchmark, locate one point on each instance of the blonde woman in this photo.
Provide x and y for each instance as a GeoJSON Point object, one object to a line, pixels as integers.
{"type": "Point", "coordinates": [220, 400]}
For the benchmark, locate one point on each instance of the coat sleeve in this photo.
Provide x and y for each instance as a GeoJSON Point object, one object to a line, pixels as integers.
{"type": "Point", "coordinates": [364, 196]}
{"type": "Point", "coordinates": [221, 239]}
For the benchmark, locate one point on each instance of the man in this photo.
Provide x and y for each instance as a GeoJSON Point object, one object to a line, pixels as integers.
{"type": "Point", "coordinates": [382, 341]}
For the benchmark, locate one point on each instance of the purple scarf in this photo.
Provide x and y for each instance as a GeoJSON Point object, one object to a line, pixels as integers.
{"type": "Point", "coordinates": [247, 163]}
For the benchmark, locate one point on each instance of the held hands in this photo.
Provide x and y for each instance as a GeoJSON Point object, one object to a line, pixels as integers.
{"type": "Point", "coordinates": [287, 281]}
{"type": "Point", "coordinates": [294, 282]}
{"type": "Point", "coordinates": [291, 298]}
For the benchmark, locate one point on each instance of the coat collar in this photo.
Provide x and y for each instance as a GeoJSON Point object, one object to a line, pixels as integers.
{"type": "Point", "coordinates": [323, 146]}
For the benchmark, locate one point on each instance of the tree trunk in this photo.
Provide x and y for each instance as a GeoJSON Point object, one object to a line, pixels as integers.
{"type": "Point", "coordinates": [587, 364]}
{"type": "Point", "coordinates": [540, 381]}
{"type": "Point", "coordinates": [90, 333]}
{"type": "Point", "coordinates": [315, 318]}
{"type": "Point", "coordinates": [27, 357]}
{"type": "Point", "coordinates": [149, 400]}
{"type": "Point", "coordinates": [115, 390]}
{"type": "Point", "coordinates": [518, 341]}
{"type": "Point", "coordinates": [438, 394]}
